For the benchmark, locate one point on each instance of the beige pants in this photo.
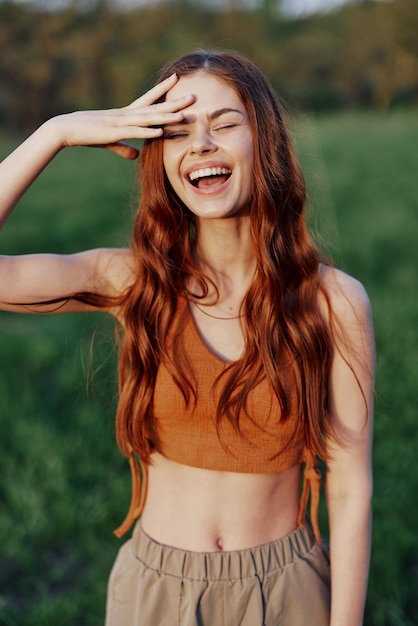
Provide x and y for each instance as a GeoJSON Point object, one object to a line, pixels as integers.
{"type": "Point", "coordinates": [285, 582]}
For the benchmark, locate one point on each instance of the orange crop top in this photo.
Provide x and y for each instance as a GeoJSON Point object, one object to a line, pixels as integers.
{"type": "Point", "coordinates": [187, 433]}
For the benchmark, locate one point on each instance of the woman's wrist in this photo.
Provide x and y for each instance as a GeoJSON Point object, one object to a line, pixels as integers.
{"type": "Point", "coordinates": [55, 133]}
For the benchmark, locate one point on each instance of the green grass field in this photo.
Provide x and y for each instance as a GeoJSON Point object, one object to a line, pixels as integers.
{"type": "Point", "coordinates": [63, 484]}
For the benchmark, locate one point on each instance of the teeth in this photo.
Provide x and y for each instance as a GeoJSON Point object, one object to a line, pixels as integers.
{"type": "Point", "coordinates": [209, 171]}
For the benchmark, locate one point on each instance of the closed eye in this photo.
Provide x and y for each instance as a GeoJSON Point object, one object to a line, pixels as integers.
{"type": "Point", "coordinates": [227, 126]}
{"type": "Point", "coordinates": [175, 134]}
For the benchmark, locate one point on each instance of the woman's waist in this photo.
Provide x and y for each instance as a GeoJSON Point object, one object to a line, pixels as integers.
{"type": "Point", "coordinates": [205, 510]}
{"type": "Point", "coordinates": [218, 565]}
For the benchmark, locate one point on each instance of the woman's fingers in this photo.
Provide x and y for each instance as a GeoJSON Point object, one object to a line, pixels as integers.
{"type": "Point", "coordinates": [165, 112]}
{"type": "Point", "coordinates": [155, 93]}
{"type": "Point", "coordinates": [122, 149]}
{"type": "Point", "coordinates": [143, 119]}
{"type": "Point", "coordinates": [151, 97]}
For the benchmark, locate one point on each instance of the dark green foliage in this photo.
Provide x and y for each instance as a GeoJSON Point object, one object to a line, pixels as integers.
{"type": "Point", "coordinates": [361, 55]}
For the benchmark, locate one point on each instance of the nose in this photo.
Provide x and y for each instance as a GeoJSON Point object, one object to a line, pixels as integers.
{"type": "Point", "coordinates": [201, 142]}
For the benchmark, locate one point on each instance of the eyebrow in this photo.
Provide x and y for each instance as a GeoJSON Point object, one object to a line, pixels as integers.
{"type": "Point", "coordinates": [219, 112]}
{"type": "Point", "coordinates": [214, 115]}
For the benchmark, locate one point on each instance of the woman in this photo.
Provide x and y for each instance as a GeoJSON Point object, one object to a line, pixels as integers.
{"type": "Point", "coordinates": [243, 356]}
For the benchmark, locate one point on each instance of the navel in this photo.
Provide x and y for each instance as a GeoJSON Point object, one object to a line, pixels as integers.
{"type": "Point", "coordinates": [219, 544]}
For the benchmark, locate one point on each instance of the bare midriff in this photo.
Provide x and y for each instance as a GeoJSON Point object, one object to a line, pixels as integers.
{"type": "Point", "coordinates": [205, 510]}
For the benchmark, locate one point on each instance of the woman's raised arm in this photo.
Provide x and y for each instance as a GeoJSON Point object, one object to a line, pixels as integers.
{"type": "Point", "coordinates": [140, 120]}
{"type": "Point", "coordinates": [33, 278]}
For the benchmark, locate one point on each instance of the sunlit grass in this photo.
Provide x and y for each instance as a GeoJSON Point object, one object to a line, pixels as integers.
{"type": "Point", "coordinates": [369, 197]}
{"type": "Point", "coordinates": [63, 484]}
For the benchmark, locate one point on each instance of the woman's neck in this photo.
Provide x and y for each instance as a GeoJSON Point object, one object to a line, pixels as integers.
{"type": "Point", "coordinates": [225, 254]}
{"type": "Point", "coordinates": [224, 250]}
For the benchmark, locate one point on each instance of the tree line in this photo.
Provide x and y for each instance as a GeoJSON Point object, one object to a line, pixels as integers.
{"type": "Point", "coordinates": [361, 55]}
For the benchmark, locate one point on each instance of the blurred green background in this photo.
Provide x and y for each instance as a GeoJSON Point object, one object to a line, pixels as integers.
{"type": "Point", "coordinates": [350, 77]}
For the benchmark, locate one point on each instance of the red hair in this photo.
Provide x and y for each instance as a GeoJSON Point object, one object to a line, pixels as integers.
{"type": "Point", "coordinates": [286, 336]}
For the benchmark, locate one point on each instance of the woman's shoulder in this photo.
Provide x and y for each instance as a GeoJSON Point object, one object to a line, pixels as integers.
{"type": "Point", "coordinates": [343, 294]}
{"type": "Point", "coordinates": [114, 268]}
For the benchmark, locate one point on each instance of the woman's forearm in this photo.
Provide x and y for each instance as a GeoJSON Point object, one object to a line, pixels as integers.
{"type": "Point", "coordinates": [350, 539]}
{"type": "Point", "coordinates": [142, 119]}
{"type": "Point", "coordinates": [23, 166]}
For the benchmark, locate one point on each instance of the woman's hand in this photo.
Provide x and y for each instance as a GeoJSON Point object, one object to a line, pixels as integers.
{"type": "Point", "coordinates": [143, 119]}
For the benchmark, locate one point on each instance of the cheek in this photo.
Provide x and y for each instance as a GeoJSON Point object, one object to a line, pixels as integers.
{"type": "Point", "coordinates": [248, 157]}
{"type": "Point", "coordinates": [173, 179]}
{"type": "Point", "coordinates": [249, 173]}
{"type": "Point", "coordinates": [166, 162]}
{"type": "Point", "coordinates": [168, 168]}
{"type": "Point", "coordinates": [246, 149]}
{"type": "Point", "coordinates": [171, 164]}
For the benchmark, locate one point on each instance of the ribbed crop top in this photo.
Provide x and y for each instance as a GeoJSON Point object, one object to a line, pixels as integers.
{"type": "Point", "coordinates": [187, 432]}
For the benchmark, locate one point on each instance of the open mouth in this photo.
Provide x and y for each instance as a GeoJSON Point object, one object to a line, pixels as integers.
{"type": "Point", "coordinates": [209, 177]}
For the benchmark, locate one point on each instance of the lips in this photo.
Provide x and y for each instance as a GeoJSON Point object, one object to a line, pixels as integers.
{"type": "Point", "coordinates": [209, 177]}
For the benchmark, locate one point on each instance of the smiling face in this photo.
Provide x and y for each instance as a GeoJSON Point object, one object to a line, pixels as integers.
{"type": "Point", "coordinates": [208, 158]}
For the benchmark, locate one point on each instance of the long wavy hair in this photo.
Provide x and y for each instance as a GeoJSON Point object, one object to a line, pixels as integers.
{"type": "Point", "coordinates": [287, 338]}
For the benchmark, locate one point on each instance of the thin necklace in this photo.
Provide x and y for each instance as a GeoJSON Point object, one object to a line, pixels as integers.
{"type": "Point", "coordinates": [216, 317]}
